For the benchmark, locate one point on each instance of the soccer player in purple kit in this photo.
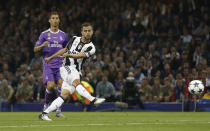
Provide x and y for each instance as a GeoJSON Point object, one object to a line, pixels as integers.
{"type": "Point", "coordinates": [49, 42]}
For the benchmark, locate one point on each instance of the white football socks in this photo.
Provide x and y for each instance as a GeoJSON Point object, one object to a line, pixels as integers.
{"type": "Point", "coordinates": [55, 104]}
{"type": "Point", "coordinates": [83, 92]}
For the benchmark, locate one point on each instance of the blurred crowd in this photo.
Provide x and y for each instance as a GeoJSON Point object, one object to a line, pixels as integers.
{"type": "Point", "coordinates": [153, 47]}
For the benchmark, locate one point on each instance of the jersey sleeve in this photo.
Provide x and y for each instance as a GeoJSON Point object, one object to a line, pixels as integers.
{"type": "Point", "coordinates": [66, 40]}
{"type": "Point", "coordinates": [40, 40]}
{"type": "Point", "coordinates": [90, 50]}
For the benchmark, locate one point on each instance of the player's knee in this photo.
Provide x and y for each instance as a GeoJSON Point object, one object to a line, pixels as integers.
{"type": "Point", "coordinates": [76, 82]}
{"type": "Point", "coordinates": [60, 83]}
{"type": "Point", "coordinates": [65, 94]}
{"type": "Point", "coordinates": [50, 86]}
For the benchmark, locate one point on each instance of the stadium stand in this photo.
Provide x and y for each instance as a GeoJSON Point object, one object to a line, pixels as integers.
{"type": "Point", "coordinates": [163, 39]}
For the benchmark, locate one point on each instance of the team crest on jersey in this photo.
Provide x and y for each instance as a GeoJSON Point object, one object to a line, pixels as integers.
{"type": "Point", "coordinates": [49, 34]}
{"type": "Point", "coordinates": [79, 47]}
{"type": "Point", "coordinates": [61, 38]}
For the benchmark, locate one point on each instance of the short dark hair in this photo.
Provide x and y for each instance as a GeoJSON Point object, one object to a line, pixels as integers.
{"type": "Point", "coordinates": [54, 11]}
{"type": "Point", "coordinates": [86, 24]}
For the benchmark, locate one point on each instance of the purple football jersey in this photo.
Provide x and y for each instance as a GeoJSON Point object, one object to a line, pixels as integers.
{"type": "Point", "coordinates": [57, 41]}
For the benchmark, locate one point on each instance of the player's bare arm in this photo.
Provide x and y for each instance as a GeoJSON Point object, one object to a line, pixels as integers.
{"type": "Point", "coordinates": [38, 48]}
{"type": "Point", "coordinates": [57, 54]}
{"type": "Point", "coordinates": [76, 56]}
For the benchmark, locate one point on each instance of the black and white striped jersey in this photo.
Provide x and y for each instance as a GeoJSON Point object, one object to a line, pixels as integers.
{"type": "Point", "coordinates": [76, 46]}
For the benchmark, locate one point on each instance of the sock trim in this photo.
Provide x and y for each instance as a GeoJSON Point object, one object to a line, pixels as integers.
{"type": "Point", "coordinates": [62, 98]}
{"type": "Point", "coordinates": [44, 113]}
{"type": "Point", "coordinates": [78, 85]}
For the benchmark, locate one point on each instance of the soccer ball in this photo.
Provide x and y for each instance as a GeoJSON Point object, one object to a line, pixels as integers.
{"type": "Point", "coordinates": [196, 87]}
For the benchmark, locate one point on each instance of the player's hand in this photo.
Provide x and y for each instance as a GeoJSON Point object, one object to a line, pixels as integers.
{"type": "Point", "coordinates": [47, 60]}
{"type": "Point", "coordinates": [45, 43]}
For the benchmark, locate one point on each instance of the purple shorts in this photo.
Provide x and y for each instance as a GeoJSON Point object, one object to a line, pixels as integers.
{"type": "Point", "coordinates": [51, 74]}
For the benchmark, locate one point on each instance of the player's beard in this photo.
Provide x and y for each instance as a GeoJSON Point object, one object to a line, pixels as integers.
{"type": "Point", "coordinates": [87, 38]}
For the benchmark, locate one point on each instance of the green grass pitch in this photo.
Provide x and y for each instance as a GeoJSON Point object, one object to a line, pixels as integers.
{"type": "Point", "coordinates": [108, 121]}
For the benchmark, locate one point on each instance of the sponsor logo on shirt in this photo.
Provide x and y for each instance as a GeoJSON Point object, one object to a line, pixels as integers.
{"type": "Point", "coordinates": [55, 45]}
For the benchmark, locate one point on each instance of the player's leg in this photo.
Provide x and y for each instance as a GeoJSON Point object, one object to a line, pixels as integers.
{"type": "Point", "coordinates": [58, 111]}
{"type": "Point", "coordinates": [71, 75]}
{"type": "Point", "coordinates": [58, 101]}
{"type": "Point", "coordinates": [55, 104]}
{"type": "Point", "coordinates": [74, 79]}
{"type": "Point", "coordinates": [83, 92]}
{"type": "Point", "coordinates": [66, 90]}
{"type": "Point", "coordinates": [48, 78]}
{"type": "Point", "coordinates": [58, 79]}
{"type": "Point", "coordinates": [49, 94]}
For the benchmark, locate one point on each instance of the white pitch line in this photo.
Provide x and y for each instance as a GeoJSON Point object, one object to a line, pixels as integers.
{"type": "Point", "coordinates": [195, 121]}
{"type": "Point", "coordinates": [151, 123]}
{"type": "Point", "coordinates": [190, 121]}
{"type": "Point", "coordinates": [184, 120]}
{"type": "Point", "coordinates": [96, 124]}
{"type": "Point", "coordinates": [13, 126]}
{"type": "Point", "coordinates": [27, 126]}
{"type": "Point", "coordinates": [79, 125]}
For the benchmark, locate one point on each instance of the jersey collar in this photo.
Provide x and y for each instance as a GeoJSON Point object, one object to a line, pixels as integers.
{"type": "Point", "coordinates": [53, 32]}
{"type": "Point", "coordinates": [83, 42]}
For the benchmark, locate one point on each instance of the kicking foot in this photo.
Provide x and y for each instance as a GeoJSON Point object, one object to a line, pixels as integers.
{"type": "Point", "coordinates": [98, 101]}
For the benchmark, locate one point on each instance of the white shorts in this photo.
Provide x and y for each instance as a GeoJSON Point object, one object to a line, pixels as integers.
{"type": "Point", "coordinates": [69, 74]}
{"type": "Point", "coordinates": [68, 87]}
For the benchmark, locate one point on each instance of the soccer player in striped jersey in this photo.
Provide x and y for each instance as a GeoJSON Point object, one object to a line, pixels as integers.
{"type": "Point", "coordinates": [75, 53]}
{"type": "Point", "coordinates": [49, 42]}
